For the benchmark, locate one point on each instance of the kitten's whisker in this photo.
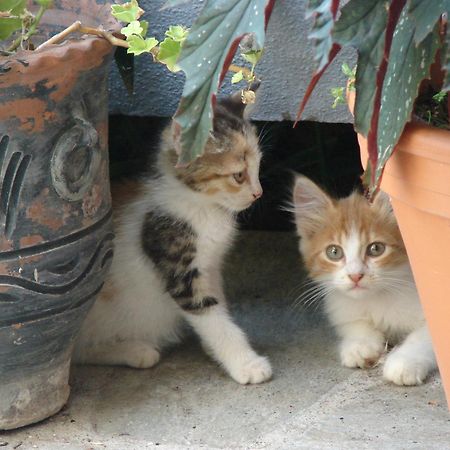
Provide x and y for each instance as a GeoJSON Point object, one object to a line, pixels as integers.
{"type": "Point", "coordinates": [308, 283]}
{"type": "Point", "coordinates": [312, 295]}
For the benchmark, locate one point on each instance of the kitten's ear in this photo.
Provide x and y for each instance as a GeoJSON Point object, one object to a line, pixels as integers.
{"type": "Point", "coordinates": [233, 103]}
{"type": "Point", "coordinates": [173, 133]}
{"type": "Point", "coordinates": [382, 201]}
{"type": "Point", "coordinates": [310, 204]}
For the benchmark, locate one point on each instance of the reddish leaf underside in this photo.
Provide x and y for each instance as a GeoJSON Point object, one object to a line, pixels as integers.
{"type": "Point", "coordinates": [315, 79]}
{"type": "Point", "coordinates": [324, 13]}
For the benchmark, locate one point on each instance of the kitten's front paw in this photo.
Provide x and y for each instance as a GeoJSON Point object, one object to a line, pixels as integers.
{"type": "Point", "coordinates": [362, 353]}
{"type": "Point", "coordinates": [404, 370]}
{"type": "Point", "coordinates": [255, 370]}
{"type": "Point", "coordinates": [142, 356]}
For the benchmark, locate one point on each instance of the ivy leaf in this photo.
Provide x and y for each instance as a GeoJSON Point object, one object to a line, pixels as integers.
{"type": "Point", "coordinates": [169, 52]}
{"type": "Point", "coordinates": [349, 73]}
{"type": "Point", "coordinates": [16, 7]}
{"type": "Point", "coordinates": [133, 27]}
{"type": "Point", "coordinates": [338, 95]}
{"type": "Point", "coordinates": [139, 45]}
{"type": "Point", "coordinates": [206, 55]}
{"type": "Point", "coordinates": [425, 15]}
{"type": "Point", "coordinates": [252, 56]}
{"type": "Point", "coordinates": [177, 33]}
{"type": "Point", "coordinates": [45, 3]}
{"type": "Point", "coordinates": [238, 76]}
{"type": "Point", "coordinates": [8, 25]}
{"type": "Point", "coordinates": [144, 26]}
{"type": "Point", "coordinates": [127, 12]}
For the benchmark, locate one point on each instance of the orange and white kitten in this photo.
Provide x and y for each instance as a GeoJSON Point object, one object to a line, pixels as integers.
{"type": "Point", "coordinates": [171, 239]}
{"type": "Point", "coordinates": [354, 251]}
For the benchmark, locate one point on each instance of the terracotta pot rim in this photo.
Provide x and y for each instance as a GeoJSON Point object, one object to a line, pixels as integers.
{"type": "Point", "coordinates": [415, 135]}
{"type": "Point", "coordinates": [97, 15]}
{"type": "Point", "coordinates": [27, 59]}
{"type": "Point", "coordinates": [414, 141]}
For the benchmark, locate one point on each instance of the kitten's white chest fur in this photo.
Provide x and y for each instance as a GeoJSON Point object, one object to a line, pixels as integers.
{"type": "Point", "coordinates": [395, 313]}
{"type": "Point", "coordinates": [354, 251]}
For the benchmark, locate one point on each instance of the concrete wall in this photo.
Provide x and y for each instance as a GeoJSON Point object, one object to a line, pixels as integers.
{"type": "Point", "coordinates": [285, 69]}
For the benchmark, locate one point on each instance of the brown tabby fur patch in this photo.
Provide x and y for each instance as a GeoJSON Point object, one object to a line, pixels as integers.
{"type": "Point", "coordinates": [232, 148]}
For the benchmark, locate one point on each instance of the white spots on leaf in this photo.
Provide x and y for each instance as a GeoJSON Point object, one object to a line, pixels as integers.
{"type": "Point", "coordinates": [199, 65]}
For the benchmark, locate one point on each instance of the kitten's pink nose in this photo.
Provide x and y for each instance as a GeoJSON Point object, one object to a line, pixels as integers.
{"type": "Point", "coordinates": [355, 277]}
{"type": "Point", "coordinates": [257, 194]}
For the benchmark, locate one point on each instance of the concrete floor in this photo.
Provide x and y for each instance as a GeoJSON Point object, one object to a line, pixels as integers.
{"type": "Point", "coordinates": [188, 402]}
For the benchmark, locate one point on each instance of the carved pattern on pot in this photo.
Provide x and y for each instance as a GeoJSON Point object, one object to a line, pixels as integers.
{"type": "Point", "coordinates": [76, 158]}
{"type": "Point", "coordinates": [12, 173]}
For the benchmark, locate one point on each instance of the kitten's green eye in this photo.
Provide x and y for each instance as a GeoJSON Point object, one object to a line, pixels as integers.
{"type": "Point", "coordinates": [239, 177]}
{"type": "Point", "coordinates": [334, 252]}
{"type": "Point", "coordinates": [375, 249]}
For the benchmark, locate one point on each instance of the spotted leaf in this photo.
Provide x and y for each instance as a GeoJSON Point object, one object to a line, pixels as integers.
{"type": "Point", "coordinates": [205, 58]}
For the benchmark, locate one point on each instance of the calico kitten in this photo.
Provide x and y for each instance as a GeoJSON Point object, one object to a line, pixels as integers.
{"type": "Point", "coordinates": [171, 239]}
{"type": "Point", "coordinates": [354, 251]}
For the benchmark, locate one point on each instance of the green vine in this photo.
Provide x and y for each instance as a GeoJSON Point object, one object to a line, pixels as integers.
{"type": "Point", "coordinates": [15, 17]}
{"type": "Point", "coordinates": [138, 42]}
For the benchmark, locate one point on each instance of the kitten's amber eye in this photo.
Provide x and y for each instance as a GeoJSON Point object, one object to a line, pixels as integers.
{"type": "Point", "coordinates": [375, 249]}
{"type": "Point", "coordinates": [334, 252]}
{"type": "Point", "coordinates": [239, 177]}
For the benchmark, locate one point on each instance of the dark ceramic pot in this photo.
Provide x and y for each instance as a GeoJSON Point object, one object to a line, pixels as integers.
{"type": "Point", "coordinates": [55, 210]}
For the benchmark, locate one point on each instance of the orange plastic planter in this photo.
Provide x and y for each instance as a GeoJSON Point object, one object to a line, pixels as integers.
{"type": "Point", "coordinates": [417, 178]}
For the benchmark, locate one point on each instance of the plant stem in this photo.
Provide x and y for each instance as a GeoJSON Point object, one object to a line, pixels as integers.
{"type": "Point", "coordinates": [31, 30]}
{"type": "Point", "coordinates": [78, 27]}
{"type": "Point", "coordinates": [245, 71]}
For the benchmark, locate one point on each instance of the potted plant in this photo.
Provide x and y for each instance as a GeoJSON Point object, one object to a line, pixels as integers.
{"type": "Point", "coordinates": [55, 205]}
{"type": "Point", "coordinates": [397, 42]}
{"type": "Point", "coordinates": [55, 213]}
{"type": "Point", "coordinates": [402, 72]}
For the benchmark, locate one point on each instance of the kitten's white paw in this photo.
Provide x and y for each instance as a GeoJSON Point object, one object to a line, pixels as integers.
{"type": "Point", "coordinates": [255, 370]}
{"type": "Point", "coordinates": [404, 370]}
{"type": "Point", "coordinates": [141, 355]}
{"type": "Point", "coordinates": [361, 353]}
